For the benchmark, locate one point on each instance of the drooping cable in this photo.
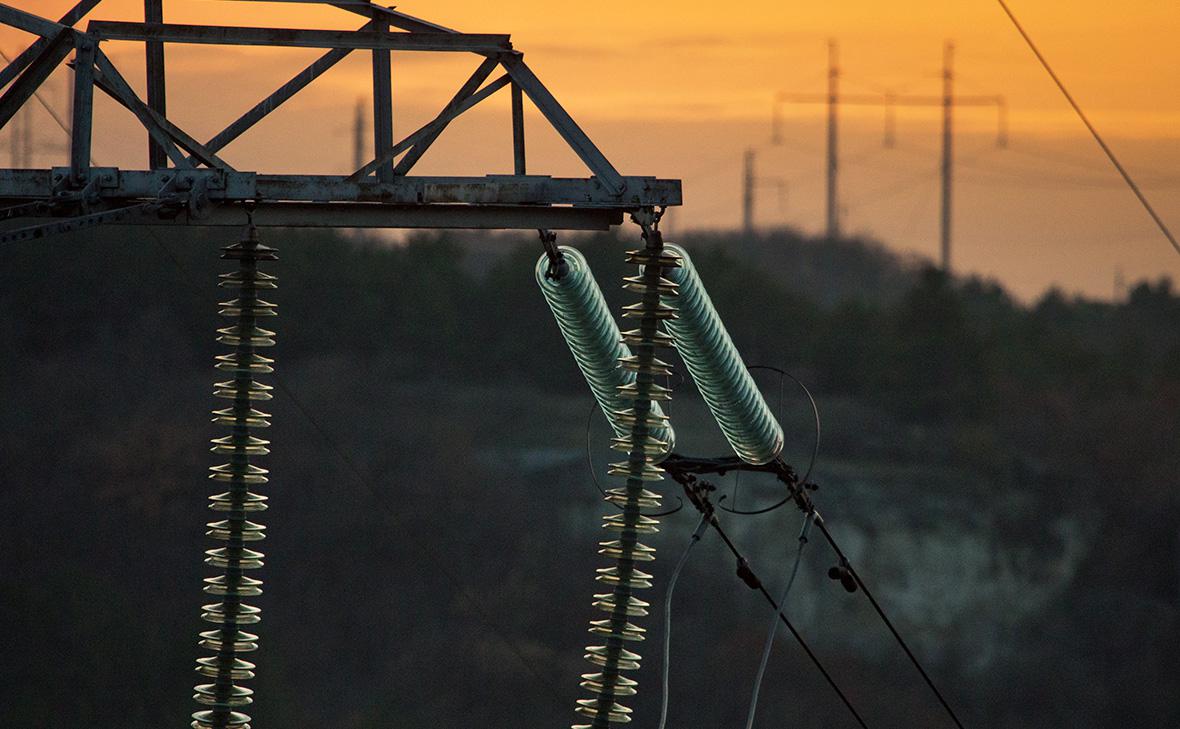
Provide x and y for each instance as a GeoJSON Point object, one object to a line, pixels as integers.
{"type": "Point", "coordinates": [696, 537]}
{"type": "Point", "coordinates": [1090, 127]}
{"type": "Point", "coordinates": [848, 569]}
{"type": "Point", "coordinates": [774, 621]}
{"type": "Point", "coordinates": [697, 494]}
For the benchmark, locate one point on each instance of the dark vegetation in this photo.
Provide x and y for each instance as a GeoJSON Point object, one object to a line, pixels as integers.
{"type": "Point", "coordinates": [432, 563]}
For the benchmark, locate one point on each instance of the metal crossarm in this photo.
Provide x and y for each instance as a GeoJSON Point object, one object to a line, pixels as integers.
{"type": "Point", "coordinates": [189, 183]}
{"type": "Point", "coordinates": [288, 37]}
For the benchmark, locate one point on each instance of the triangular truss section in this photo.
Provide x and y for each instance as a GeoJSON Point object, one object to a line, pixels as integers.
{"type": "Point", "coordinates": [189, 183]}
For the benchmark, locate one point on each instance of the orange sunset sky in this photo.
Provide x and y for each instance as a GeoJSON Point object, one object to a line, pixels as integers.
{"type": "Point", "coordinates": [680, 89]}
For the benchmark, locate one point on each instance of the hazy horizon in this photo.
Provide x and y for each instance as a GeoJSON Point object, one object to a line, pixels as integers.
{"type": "Point", "coordinates": [680, 90]}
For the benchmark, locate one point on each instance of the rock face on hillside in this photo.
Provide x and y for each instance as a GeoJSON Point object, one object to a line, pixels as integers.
{"type": "Point", "coordinates": [963, 572]}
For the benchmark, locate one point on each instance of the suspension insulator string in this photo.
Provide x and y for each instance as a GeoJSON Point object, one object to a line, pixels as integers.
{"type": "Point", "coordinates": [608, 684]}
{"type": "Point", "coordinates": [223, 697]}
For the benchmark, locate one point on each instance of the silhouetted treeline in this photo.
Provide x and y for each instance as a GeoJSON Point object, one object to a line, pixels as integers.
{"type": "Point", "coordinates": [433, 526]}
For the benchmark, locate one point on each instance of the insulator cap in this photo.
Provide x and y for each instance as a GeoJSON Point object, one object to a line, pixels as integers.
{"type": "Point", "coordinates": [227, 501]}
{"type": "Point", "coordinates": [629, 631]}
{"type": "Point", "coordinates": [636, 579]}
{"type": "Point", "coordinates": [628, 660]}
{"type": "Point", "coordinates": [244, 587]}
{"type": "Point", "coordinates": [618, 522]}
{"type": "Point", "coordinates": [218, 614]}
{"type": "Point", "coordinates": [207, 694]}
{"type": "Point", "coordinates": [636, 553]}
{"type": "Point", "coordinates": [239, 669]}
{"type": "Point", "coordinates": [633, 606]}
{"type": "Point", "coordinates": [216, 720]}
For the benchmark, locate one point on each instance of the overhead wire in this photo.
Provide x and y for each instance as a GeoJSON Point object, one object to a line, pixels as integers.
{"type": "Point", "coordinates": [747, 574]}
{"type": "Point", "coordinates": [1093, 131]}
{"type": "Point", "coordinates": [847, 565]}
{"type": "Point", "coordinates": [774, 622]}
{"type": "Point", "coordinates": [696, 537]}
{"type": "Point", "coordinates": [811, 515]}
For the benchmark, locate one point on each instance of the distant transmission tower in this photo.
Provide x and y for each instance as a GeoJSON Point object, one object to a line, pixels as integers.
{"type": "Point", "coordinates": [947, 101]}
{"type": "Point", "coordinates": [750, 183]}
{"type": "Point", "coordinates": [20, 139]}
{"type": "Point", "coordinates": [359, 138]}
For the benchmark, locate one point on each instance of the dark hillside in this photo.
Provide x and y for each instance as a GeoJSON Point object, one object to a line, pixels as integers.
{"type": "Point", "coordinates": [1006, 476]}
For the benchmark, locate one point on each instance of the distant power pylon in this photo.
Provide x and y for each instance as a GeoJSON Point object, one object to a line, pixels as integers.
{"type": "Point", "coordinates": [20, 139]}
{"type": "Point", "coordinates": [947, 101]}
{"type": "Point", "coordinates": [359, 138]}
{"type": "Point", "coordinates": [750, 182]}
{"type": "Point", "coordinates": [22, 144]}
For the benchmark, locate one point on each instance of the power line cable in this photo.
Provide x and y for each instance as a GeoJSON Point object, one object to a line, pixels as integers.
{"type": "Point", "coordinates": [846, 566]}
{"type": "Point", "coordinates": [698, 496]}
{"type": "Point", "coordinates": [1093, 132]}
{"type": "Point", "coordinates": [774, 622]}
{"type": "Point", "coordinates": [696, 537]}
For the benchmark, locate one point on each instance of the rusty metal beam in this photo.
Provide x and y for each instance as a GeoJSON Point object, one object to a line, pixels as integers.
{"type": "Point", "coordinates": [80, 195]}
{"type": "Point", "coordinates": [382, 106]}
{"type": "Point", "coordinates": [153, 12]}
{"type": "Point", "coordinates": [444, 117]}
{"type": "Point", "coordinates": [449, 112]}
{"type": "Point", "coordinates": [368, 215]}
{"type": "Point", "coordinates": [562, 122]}
{"type": "Point", "coordinates": [281, 95]}
{"type": "Point", "coordinates": [298, 38]}
{"type": "Point", "coordinates": [18, 64]}
{"type": "Point", "coordinates": [321, 215]}
{"type": "Point", "coordinates": [233, 185]}
{"type": "Point", "coordinates": [518, 160]}
{"type": "Point", "coordinates": [162, 131]}
{"type": "Point", "coordinates": [394, 17]}
{"type": "Point", "coordinates": [35, 74]}
{"type": "Point", "coordinates": [28, 22]}
{"type": "Point", "coordinates": [80, 124]}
